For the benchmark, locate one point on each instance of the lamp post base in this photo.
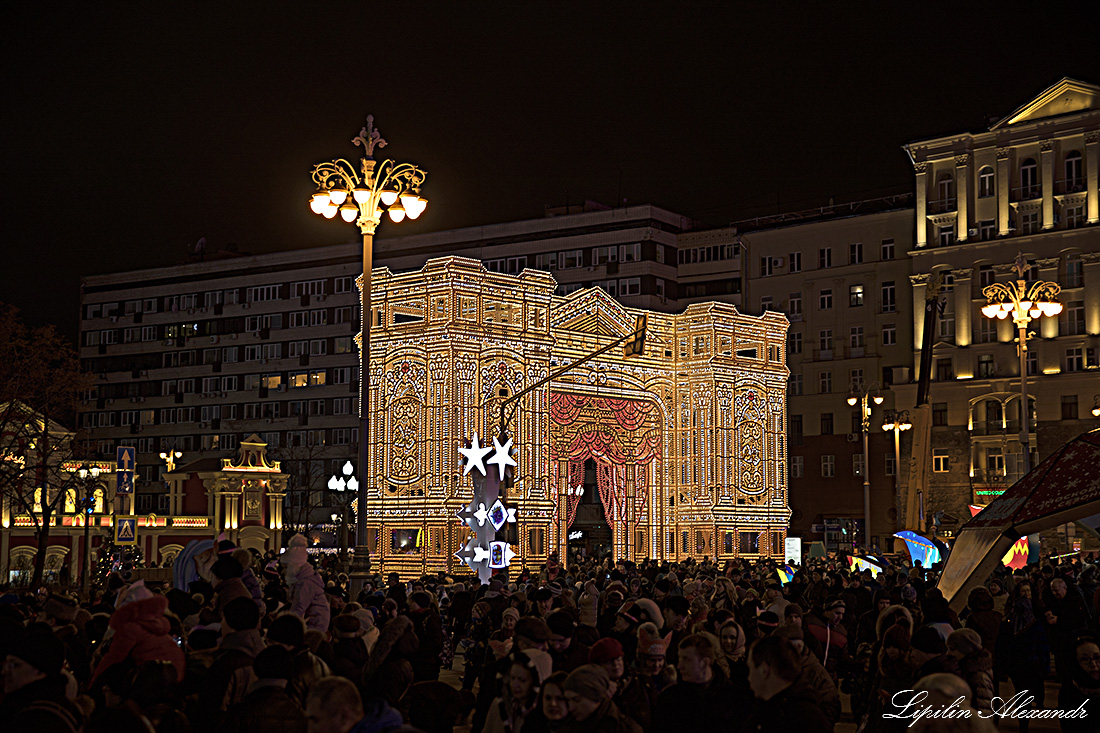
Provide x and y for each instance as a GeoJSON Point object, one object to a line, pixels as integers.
{"type": "Point", "coordinates": [360, 570]}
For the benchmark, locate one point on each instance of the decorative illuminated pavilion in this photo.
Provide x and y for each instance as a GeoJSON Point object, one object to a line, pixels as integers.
{"type": "Point", "coordinates": [688, 438]}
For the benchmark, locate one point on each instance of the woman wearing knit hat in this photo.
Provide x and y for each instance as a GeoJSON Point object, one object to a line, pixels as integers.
{"type": "Point", "coordinates": [588, 694]}
{"type": "Point", "coordinates": [975, 666]}
{"type": "Point", "coordinates": [518, 702]}
{"type": "Point", "coordinates": [307, 590]}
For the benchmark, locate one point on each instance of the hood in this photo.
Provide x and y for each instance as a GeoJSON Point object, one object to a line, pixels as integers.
{"type": "Point", "coordinates": [890, 616]}
{"type": "Point", "coordinates": [147, 613]}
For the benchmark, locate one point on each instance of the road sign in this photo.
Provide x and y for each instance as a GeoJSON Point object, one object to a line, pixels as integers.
{"type": "Point", "coordinates": [125, 530]}
{"type": "Point", "coordinates": [124, 481]}
{"type": "Point", "coordinates": [125, 458]}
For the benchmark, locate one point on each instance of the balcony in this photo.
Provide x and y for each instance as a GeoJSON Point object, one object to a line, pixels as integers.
{"type": "Point", "coordinates": [1069, 186]}
{"type": "Point", "coordinates": [998, 428]}
{"type": "Point", "coordinates": [942, 206]}
{"type": "Point", "coordinates": [1025, 193]}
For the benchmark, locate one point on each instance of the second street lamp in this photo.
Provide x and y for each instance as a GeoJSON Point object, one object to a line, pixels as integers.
{"type": "Point", "coordinates": [1024, 303]}
{"type": "Point", "coordinates": [89, 475]}
{"type": "Point", "coordinates": [898, 422]}
{"type": "Point", "coordinates": [360, 195]}
{"type": "Point", "coordinates": [856, 393]}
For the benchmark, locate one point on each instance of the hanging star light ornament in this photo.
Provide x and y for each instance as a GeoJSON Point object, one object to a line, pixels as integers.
{"type": "Point", "coordinates": [502, 456]}
{"type": "Point", "coordinates": [475, 456]}
{"type": "Point", "coordinates": [486, 514]}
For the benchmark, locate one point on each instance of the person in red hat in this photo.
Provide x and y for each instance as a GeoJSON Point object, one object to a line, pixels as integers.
{"type": "Point", "coordinates": [608, 653]}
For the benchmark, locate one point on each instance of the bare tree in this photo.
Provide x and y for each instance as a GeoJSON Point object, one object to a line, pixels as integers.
{"type": "Point", "coordinates": [40, 388]}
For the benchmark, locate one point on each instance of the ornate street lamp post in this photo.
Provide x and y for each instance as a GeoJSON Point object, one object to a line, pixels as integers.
{"type": "Point", "coordinates": [897, 421]}
{"type": "Point", "coordinates": [341, 484]}
{"type": "Point", "coordinates": [1023, 302]}
{"type": "Point", "coordinates": [360, 196]}
{"type": "Point", "coordinates": [856, 393]}
{"type": "Point", "coordinates": [89, 476]}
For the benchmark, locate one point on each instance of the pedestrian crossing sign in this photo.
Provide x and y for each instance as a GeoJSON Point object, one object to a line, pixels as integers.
{"type": "Point", "coordinates": [125, 530]}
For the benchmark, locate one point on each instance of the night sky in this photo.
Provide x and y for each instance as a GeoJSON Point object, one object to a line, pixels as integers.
{"type": "Point", "coordinates": [128, 134]}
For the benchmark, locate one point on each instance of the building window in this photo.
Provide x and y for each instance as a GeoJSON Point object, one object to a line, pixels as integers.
{"type": "Point", "coordinates": [765, 304]}
{"type": "Point", "coordinates": [889, 297]}
{"type": "Point", "coordinates": [794, 428]}
{"type": "Point", "coordinates": [855, 253]}
{"type": "Point", "coordinates": [828, 466]}
{"type": "Point", "coordinates": [986, 368]}
{"type": "Point", "coordinates": [855, 337]}
{"type": "Point", "coordinates": [940, 460]}
{"type": "Point", "coordinates": [261, 293]}
{"type": "Point", "coordinates": [889, 334]}
{"type": "Point", "coordinates": [825, 257]}
{"type": "Point", "coordinates": [939, 414]}
{"type": "Point", "coordinates": [987, 331]}
{"type": "Point", "coordinates": [571, 259]}
{"type": "Point", "coordinates": [857, 420]}
{"type": "Point", "coordinates": [1075, 216]}
{"type": "Point", "coordinates": [1029, 222]}
{"type": "Point", "coordinates": [946, 235]}
{"type": "Point", "coordinates": [1032, 363]}
{"type": "Point", "coordinates": [798, 466]}
{"type": "Point", "coordinates": [603, 255]}
{"type": "Point", "coordinates": [825, 339]}
{"type": "Point", "coordinates": [947, 326]}
{"type": "Point", "coordinates": [795, 262]}
{"type": "Point", "coordinates": [1075, 361]}
{"type": "Point", "coordinates": [794, 385]}
{"type": "Point", "coordinates": [825, 300]}
{"type": "Point", "coordinates": [826, 423]}
{"type": "Point", "coordinates": [765, 266]}
{"type": "Point", "coordinates": [1029, 180]}
{"type": "Point", "coordinates": [1069, 407]}
{"type": "Point", "coordinates": [946, 186]}
{"type": "Point", "coordinates": [987, 230]}
{"type": "Point", "coordinates": [888, 249]}
{"type": "Point", "coordinates": [855, 295]}
{"type": "Point", "coordinates": [794, 305]}
{"type": "Point", "coordinates": [794, 343]}
{"type": "Point", "coordinates": [857, 464]}
{"type": "Point", "coordinates": [944, 371]}
{"type": "Point", "coordinates": [1073, 319]}
{"type": "Point", "coordinates": [891, 466]}
{"type": "Point", "coordinates": [1075, 274]}
{"type": "Point", "coordinates": [1075, 180]}
{"type": "Point", "coordinates": [825, 382]}
{"type": "Point", "coordinates": [985, 183]}
{"type": "Point", "coordinates": [986, 276]}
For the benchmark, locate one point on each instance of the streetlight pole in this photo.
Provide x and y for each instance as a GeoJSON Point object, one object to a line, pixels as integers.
{"type": "Point", "coordinates": [1024, 302]}
{"type": "Point", "coordinates": [360, 197]}
{"type": "Point", "coordinates": [89, 475]}
{"type": "Point", "coordinates": [897, 421]}
{"type": "Point", "coordinates": [340, 484]}
{"type": "Point", "coordinates": [856, 393]}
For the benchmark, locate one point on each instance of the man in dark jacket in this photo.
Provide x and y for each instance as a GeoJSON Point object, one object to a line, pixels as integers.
{"type": "Point", "coordinates": [267, 708]}
{"type": "Point", "coordinates": [701, 700]}
{"type": "Point", "coordinates": [289, 631]}
{"type": "Point", "coordinates": [429, 630]}
{"type": "Point", "coordinates": [228, 679]}
{"type": "Point", "coordinates": [567, 652]}
{"type": "Point", "coordinates": [34, 688]}
{"type": "Point", "coordinates": [780, 705]}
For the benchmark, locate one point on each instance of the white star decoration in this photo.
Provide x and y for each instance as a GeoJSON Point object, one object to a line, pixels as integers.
{"type": "Point", "coordinates": [475, 455]}
{"type": "Point", "coordinates": [502, 457]}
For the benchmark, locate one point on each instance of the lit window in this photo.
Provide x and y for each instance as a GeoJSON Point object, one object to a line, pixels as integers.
{"type": "Point", "coordinates": [940, 461]}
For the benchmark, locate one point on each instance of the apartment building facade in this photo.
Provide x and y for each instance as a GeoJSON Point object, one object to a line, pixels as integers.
{"type": "Point", "coordinates": [1028, 185]}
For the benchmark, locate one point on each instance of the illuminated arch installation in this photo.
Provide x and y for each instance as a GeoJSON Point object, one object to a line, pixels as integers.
{"type": "Point", "coordinates": [688, 438]}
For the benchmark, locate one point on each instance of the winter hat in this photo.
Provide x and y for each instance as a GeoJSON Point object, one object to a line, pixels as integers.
{"type": "Point", "coordinates": [542, 594]}
{"type": "Point", "coordinates": [271, 570]}
{"type": "Point", "coordinates": [225, 547]}
{"type": "Point", "coordinates": [606, 649]}
{"type": "Point", "coordinates": [897, 636]}
{"type": "Point", "coordinates": [882, 595]}
{"type": "Point", "coordinates": [495, 588]}
{"type": "Point", "coordinates": [650, 642]}
{"type": "Point", "coordinates": [590, 681]}
{"type": "Point", "coordinates": [288, 630]}
{"type": "Point", "coordinates": [835, 603]}
{"type": "Point", "coordinates": [226, 567]}
{"type": "Point", "coordinates": [366, 619]}
{"type": "Point", "coordinates": [650, 611]}
{"type": "Point", "coordinates": [510, 612]}
{"type": "Point", "coordinates": [346, 626]}
{"type": "Point", "coordinates": [964, 641]}
{"type": "Point", "coordinates": [135, 592]}
{"type": "Point", "coordinates": [926, 639]}
{"type": "Point", "coordinates": [767, 621]}
{"type": "Point", "coordinates": [980, 599]}
{"type": "Point", "coordinates": [295, 555]}
{"type": "Point", "coordinates": [274, 663]}
{"type": "Point", "coordinates": [561, 624]}
{"type": "Point", "coordinates": [533, 628]}
{"type": "Point", "coordinates": [60, 608]}
{"type": "Point", "coordinates": [908, 594]}
{"type": "Point", "coordinates": [791, 633]}
{"type": "Point", "coordinates": [40, 648]}
{"type": "Point", "coordinates": [792, 609]}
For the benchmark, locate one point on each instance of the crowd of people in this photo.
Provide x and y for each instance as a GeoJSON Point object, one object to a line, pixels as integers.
{"type": "Point", "coordinates": [278, 644]}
